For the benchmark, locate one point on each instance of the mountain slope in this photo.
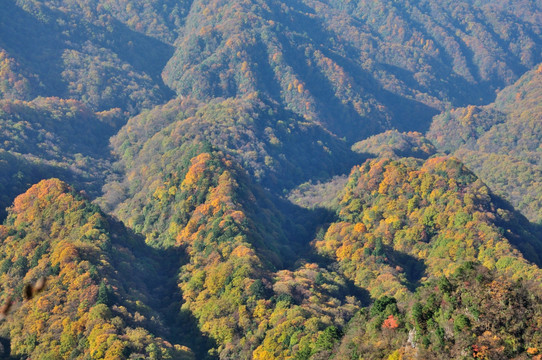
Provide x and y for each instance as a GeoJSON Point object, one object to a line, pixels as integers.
{"type": "Point", "coordinates": [74, 52]}
{"type": "Point", "coordinates": [401, 221]}
{"type": "Point", "coordinates": [443, 259]}
{"type": "Point", "coordinates": [237, 246]}
{"type": "Point", "coordinates": [357, 67]}
{"type": "Point", "coordinates": [278, 148]}
{"type": "Point", "coordinates": [95, 302]}
{"type": "Point", "coordinates": [473, 313]}
{"type": "Point", "coordinates": [501, 141]}
{"type": "Point", "coordinates": [42, 138]}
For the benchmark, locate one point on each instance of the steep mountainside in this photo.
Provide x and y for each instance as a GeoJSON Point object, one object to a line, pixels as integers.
{"type": "Point", "coordinates": [37, 140]}
{"type": "Point", "coordinates": [234, 280]}
{"type": "Point", "coordinates": [356, 67]}
{"type": "Point", "coordinates": [277, 147]}
{"type": "Point", "coordinates": [473, 313]}
{"type": "Point", "coordinates": [72, 50]}
{"type": "Point", "coordinates": [95, 303]}
{"type": "Point", "coordinates": [403, 223]}
{"type": "Point", "coordinates": [401, 220]}
{"type": "Point", "coordinates": [501, 142]}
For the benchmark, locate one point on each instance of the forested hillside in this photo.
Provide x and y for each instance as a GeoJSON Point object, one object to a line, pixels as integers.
{"type": "Point", "coordinates": [264, 179]}
{"type": "Point", "coordinates": [501, 142]}
{"type": "Point", "coordinates": [95, 303]}
{"type": "Point", "coordinates": [38, 143]}
{"type": "Point", "coordinates": [402, 220]}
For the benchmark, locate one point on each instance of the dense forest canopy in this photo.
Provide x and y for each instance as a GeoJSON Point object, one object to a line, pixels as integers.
{"type": "Point", "coordinates": [501, 141]}
{"type": "Point", "coordinates": [264, 179]}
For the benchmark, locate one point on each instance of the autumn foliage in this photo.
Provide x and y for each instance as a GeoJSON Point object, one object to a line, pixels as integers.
{"type": "Point", "coordinates": [263, 179]}
{"type": "Point", "coordinates": [88, 307]}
